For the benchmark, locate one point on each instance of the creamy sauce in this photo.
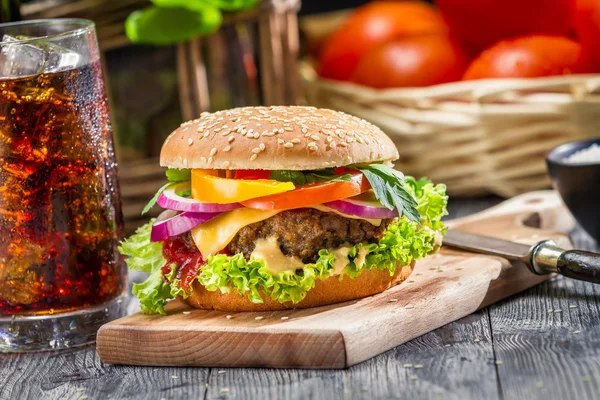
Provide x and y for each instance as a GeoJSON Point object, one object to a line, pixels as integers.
{"type": "Point", "coordinates": [321, 207]}
{"type": "Point", "coordinates": [341, 260]}
{"type": "Point", "coordinates": [275, 261]}
{"type": "Point", "coordinates": [361, 257]}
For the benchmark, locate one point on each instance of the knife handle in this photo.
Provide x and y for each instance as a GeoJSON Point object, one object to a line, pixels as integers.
{"type": "Point", "coordinates": [581, 265]}
{"type": "Point", "coordinates": [547, 258]}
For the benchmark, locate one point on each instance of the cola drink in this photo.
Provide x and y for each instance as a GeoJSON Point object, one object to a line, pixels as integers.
{"type": "Point", "coordinates": [60, 215]}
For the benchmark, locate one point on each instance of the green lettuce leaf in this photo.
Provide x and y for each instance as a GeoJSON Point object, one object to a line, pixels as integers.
{"type": "Point", "coordinates": [146, 256]}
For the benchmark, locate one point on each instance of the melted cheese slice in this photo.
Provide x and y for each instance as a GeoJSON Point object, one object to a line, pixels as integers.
{"type": "Point", "coordinates": [214, 235]}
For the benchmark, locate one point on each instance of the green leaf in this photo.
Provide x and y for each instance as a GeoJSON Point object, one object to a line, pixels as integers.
{"type": "Point", "coordinates": [154, 199]}
{"type": "Point", "coordinates": [178, 175]}
{"type": "Point", "coordinates": [296, 177]}
{"type": "Point", "coordinates": [194, 5]}
{"type": "Point", "coordinates": [144, 255]}
{"type": "Point", "coordinates": [388, 186]}
{"type": "Point", "coordinates": [299, 178]}
{"type": "Point", "coordinates": [170, 25]}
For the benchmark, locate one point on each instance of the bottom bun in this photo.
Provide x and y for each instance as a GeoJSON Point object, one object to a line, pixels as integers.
{"type": "Point", "coordinates": [326, 291]}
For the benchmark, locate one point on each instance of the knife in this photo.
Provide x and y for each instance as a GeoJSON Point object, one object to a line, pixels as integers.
{"type": "Point", "coordinates": [542, 258]}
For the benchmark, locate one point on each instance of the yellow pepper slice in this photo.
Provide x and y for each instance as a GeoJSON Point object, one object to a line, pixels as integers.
{"type": "Point", "coordinates": [208, 187]}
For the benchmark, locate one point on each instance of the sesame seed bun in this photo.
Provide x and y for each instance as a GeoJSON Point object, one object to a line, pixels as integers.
{"type": "Point", "coordinates": [326, 291]}
{"type": "Point", "coordinates": [271, 138]}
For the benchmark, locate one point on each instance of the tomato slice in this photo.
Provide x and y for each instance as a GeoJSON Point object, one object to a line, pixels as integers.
{"type": "Point", "coordinates": [308, 195]}
{"type": "Point", "coordinates": [251, 174]}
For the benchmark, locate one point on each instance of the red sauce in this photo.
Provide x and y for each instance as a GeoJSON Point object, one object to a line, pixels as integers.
{"type": "Point", "coordinates": [186, 256]}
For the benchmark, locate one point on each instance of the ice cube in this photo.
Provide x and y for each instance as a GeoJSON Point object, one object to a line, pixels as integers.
{"type": "Point", "coordinates": [18, 59]}
{"type": "Point", "coordinates": [60, 58]}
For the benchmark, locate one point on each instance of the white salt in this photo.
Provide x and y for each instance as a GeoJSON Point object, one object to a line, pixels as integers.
{"type": "Point", "coordinates": [586, 156]}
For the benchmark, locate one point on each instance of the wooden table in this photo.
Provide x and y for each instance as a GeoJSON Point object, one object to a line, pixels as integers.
{"type": "Point", "coordinates": [541, 344]}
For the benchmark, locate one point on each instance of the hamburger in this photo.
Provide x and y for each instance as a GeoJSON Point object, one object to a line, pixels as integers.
{"type": "Point", "coordinates": [270, 208]}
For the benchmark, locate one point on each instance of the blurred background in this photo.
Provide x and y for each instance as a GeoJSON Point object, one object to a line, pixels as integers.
{"type": "Point", "coordinates": [473, 92]}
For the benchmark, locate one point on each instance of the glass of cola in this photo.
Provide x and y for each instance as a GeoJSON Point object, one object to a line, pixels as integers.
{"type": "Point", "coordinates": [61, 275]}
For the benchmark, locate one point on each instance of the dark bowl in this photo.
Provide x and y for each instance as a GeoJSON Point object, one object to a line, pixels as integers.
{"type": "Point", "coordinates": [577, 184]}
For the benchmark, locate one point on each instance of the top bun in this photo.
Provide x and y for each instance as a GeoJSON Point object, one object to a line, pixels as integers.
{"type": "Point", "coordinates": [272, 138]}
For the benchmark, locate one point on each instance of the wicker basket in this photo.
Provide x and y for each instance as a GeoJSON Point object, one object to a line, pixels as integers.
{"type": "Point", "coordinates": [476, 136]}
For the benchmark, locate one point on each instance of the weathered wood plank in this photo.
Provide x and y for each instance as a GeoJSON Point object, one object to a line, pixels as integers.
{"type": "Point", "coordinates": [548, 339]}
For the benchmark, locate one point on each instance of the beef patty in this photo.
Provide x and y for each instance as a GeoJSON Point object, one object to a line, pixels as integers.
{"type": "Point", "coordinates": [303, 232]}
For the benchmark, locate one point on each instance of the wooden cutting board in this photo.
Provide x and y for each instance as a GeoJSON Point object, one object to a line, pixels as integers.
{"type": "Point", "coordinates": [443, 288]}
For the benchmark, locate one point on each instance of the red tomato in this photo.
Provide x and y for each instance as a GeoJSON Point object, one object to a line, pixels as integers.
{"type": "Point", "coordinates": [370, 25]}
{"type": "Point", "coordinates": [587, 25]}
{"type": "Point", "coordinates": [528, 57]}
{"type": "Point", "coordinates": [412, 62]}
{"type": "Point", "coordinates": [481, 23]}
{"type": "Point", "coordinates": [308, 195]}
{"type": "Point", "coordinates": [251, 174]}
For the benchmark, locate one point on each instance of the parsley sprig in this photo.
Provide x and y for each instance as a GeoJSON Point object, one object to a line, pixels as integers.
{"type": "Point", "coordinates": [388, 186]}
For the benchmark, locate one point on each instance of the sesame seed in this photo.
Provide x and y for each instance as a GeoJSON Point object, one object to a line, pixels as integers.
{"type": "Point", "coordinates": [408, 365]}
{"type": "Point", "coordinates": [250, 130]}
{"type": "Point", "coordinates": [224, 390]}
{"type": "Point", "coordinates": [210, 160]}
{"type": "Point", "coordinates": [174, 377]}
{"type": "Point", "coordinates": [206, 133]}
{"type": "Point", "coordinates": [476, 340]}
{"type": "Point", "coordinates": [280, 141]}
{"type": "Point", "coordinates": [281, 130]}
{"type": "Point", "coordinates": [226, 132]}
{"type": "Point", "coordinates": [229, 316]}
{"type": "Point", "coordinates": [447, 345]}
{"type": "Point", "coordinates": [262, 147]}
{"type": "Point", "coordinates": [256, 135]}
{"type": "Point", "coordinates": [329, 139]}
{"type": "Point", "coordinates": [572, 306]}
{"type": "Point", "coordinates": [325, 163]}
{"type": "Point", "coordinates": [190, 141]}
{"type": "Point", "coordinates": [285, 318]}
{"type": "Point", "coordinates": [287, 128]}
{"type": "Point", "coordinates": [256, 150]}
{"type": "Point", "coordinates": [187, 312]}
{"type": "Point", "coordinates": [227, 148]}
{"type": "Point", "coordinates": [202, 159]}
{"type": "Point", "coordinates": [343, 144]}
{"type": "Point", "coordinates": [217, 129]}
{"type": "Point", "coordinates": [414, 377]}
{"type": "Point", "coordinates": [226, 164]}
{"type": "Point", "coordinates": [288, 145]}
{"type": "Point", "coordinates": [213, 151]}
{"type": "Point", "coordinates": [499, 362]}
{"type": "Point", "coordinates": [312, 144]}
{"type": "Point", "coordinates": [313, 148]}
{"type": "Point", "coordinates": [419, 366]}
{"type": "Point", "coordinates": [296, 141]}
{"type": "Point", "coordinates": [231, 138]}
{"type": "Point", "coordinates": [392, 300]}
{"type": "Point", "coordinates": [253, 157]}
{"type": "Point", "coordinates": [576, 332]}
{"type": "Point", "coordinates": [304, 130]}
{"type": "Point", "coordinates": [314, 137]}
{"type": "Point", "coordinates": [259, 318]}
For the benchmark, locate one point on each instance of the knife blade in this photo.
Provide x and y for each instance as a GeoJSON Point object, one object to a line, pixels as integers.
{"type": "Point", "coordinates": [542, 258]}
